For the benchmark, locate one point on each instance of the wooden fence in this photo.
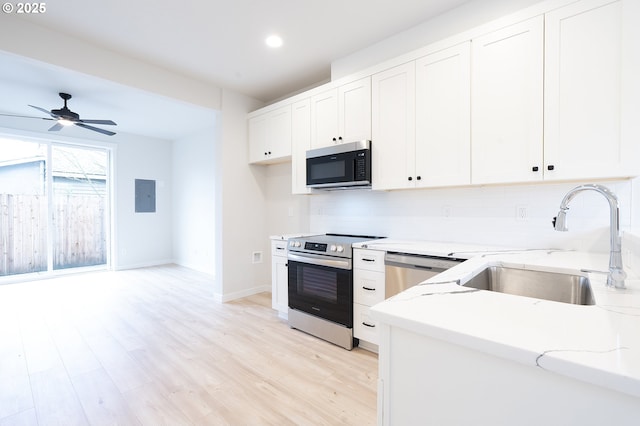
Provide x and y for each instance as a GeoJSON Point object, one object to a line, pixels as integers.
{"type": "Point", "coordinates": [79, 234]}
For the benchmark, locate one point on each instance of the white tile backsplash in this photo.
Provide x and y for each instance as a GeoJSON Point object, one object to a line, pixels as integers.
{"type": "Point", "coordinates": [482, 214]}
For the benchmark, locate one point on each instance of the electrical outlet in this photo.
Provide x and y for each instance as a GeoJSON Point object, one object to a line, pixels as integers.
{"type": "Point", "coordinates": [522, 213]}
{"type": "Point", "coordinates": [256, 256]}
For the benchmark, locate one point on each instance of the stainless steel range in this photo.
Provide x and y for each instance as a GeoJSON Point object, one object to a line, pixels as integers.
{"type": "Point", "coordinates": [321, 286]}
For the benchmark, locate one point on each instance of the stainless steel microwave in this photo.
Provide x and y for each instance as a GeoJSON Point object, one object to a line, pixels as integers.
{"type": "Point", "coordinates": [347, 165]}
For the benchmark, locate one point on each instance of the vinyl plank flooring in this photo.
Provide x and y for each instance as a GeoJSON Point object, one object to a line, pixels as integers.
{"type": "Point", "coordinates": [151, 346]}
{"type": "Point", "coordinates": [55, 399]}
{"type": "Point", "coordinates": [23, 418]}
{"type": "Point", "coordinates": [15, 395]}
{"type": "Point", "coordinates": [101, 400]}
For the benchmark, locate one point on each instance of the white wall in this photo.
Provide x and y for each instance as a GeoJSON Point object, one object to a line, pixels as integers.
{"type": "Point", "coordinates": [460, 19]}
{"type": "Point", "coordinates": [241, 207]}
{"type": "Point", "coordinates": [194, 207]}
{"type": "Point", "coordinates": [27, 39]}
{"type": "Point", "coordinates": [142, 239]}
{"type": "Point", "coordinates": [286, 213]}
{"type": "Point", "coordinates": [481, 214]}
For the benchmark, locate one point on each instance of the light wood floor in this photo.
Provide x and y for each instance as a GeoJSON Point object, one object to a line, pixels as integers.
{"type": "Point", "coordinates": [151, 346]}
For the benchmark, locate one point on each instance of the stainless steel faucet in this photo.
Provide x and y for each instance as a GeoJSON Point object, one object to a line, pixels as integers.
{"type": "Point", "coordinates": [616, 275]}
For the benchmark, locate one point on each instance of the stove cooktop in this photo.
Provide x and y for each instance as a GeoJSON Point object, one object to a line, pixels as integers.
{"type": "Point", "coordinates": [338, 245]}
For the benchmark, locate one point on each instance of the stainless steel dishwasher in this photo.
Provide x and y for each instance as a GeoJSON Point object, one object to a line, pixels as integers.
{"type": "Point", "coordinates": [404, 270]}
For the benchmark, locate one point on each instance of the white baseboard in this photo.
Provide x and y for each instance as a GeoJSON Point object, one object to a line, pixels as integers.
{"type": "Point", "coordinates": [143, 264]}
{"type": "Point", "coordinates": [243, 293]}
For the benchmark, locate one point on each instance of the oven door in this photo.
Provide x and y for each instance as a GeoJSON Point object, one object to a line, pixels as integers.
{"type": "Point", "coordinates": [321, 286]}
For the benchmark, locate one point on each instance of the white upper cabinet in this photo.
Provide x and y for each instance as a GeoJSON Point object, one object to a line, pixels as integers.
{"type": "Point", "coordinates": [270, 136]}
{"type": "Point", "coordinates": [507, 104]}
{"type": "Point", "coordinates": [301, 138]}
{"type": "Point", "coordinates": [393, 128]}
{"type": "Point", "coordinates": [583, 91]}
{"type": "Point", "coordinates": [443, 144]}
{"type": "Point", "coordinates": [324, 118]}
{"type": "Point", "coordinates": [342, 114]}
{"type": "Point", "coordinates": [354, 110]}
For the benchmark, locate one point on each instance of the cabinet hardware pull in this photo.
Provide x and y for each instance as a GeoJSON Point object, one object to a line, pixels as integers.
{"type": "Point", "coordinates": [340, 138]}
{"type": "Point", "coordinates": [551, 167]}
{"type": "Point", "coordinates": [410, 178]}
{"type": "Point", "coordinates": [364, 259]}
{"type": "Point", "coordinates": [368, 325]}
{"type": "Point", "coordinates": [369, 288]}
{"type": "Point", "coordinates": [419, 178]}
{"type": "Point", "coordinates": [334, 139]}
{"type": "Point", "coordinates": [535, 168]}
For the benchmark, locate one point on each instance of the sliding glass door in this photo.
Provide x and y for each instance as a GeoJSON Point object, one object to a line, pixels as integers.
{"type": "Point", "coordinates": [54, 206]}
{"type": "Point", "coordinates": [79, 206]}
{"type": "Point", "coordinates": [23, 207]}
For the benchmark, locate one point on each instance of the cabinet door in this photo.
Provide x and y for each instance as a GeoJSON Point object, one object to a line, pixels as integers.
{"type": "Point", "coordinates": [324, 118]}
{"type": "Point", "coordinates": [583, 61]}
{"type": "Point", "coordinates": [354, 110]}
{"type": "Point", "coordinates": [393, 127]}
{"type": "Point", "coordinates": [257, 138]}
{"type": "Point", "coordinates": [270, 136]}
{"type": "Point", "coordinates": [443, 138]}
{"type": "Point", "coordinates": [279, 133]}
{"type": "Point", "coordinates": [300, 143]}
{"type": "Point", "coordinates": [506, 104]}
{"type": "Point", "coordinates": [279, 277]}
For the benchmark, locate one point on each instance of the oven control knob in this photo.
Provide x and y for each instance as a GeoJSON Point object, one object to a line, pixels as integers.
{"type": "Point", "coordinates": [332, 248]}
{"type": "Point", "coordinates": [340, 249]}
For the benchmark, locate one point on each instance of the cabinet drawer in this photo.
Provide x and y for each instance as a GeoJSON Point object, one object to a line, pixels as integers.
{"type": "Point", "coordinates": [279, 248]}
{"type": "Point", "coordinates": [364, 327]}
{"type": "Point", "coordinates": [371, 260]}
{"type": "Point", "coordinates": [368, 287]}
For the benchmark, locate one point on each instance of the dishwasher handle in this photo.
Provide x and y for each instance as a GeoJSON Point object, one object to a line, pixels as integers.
{"type": "Point", "coordinates": [416, 261]}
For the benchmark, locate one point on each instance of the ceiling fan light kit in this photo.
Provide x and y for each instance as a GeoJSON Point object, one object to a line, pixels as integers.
{"type": "Point", "coordinates": [65, 117]}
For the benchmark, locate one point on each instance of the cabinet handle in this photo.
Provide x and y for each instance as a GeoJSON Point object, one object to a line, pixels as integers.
{"type": "Point", "coordinates": [265, 153]}
{"type": "Point", "coordinates": [535, 168]}
{"type": "Point", "coordinates": [368, 325]}
{"type": "Point", "coordinates": [340, 138]}
{"type": "Point", "coordinates": [364, 259]}
{"type": "Point", "coordinates": [410, 178]}
{"type": "Point", "coordinates": [419, 178]}
{"type": "Point", "coordinates": [551, 167]}
{"type": "Point", "coordinates": [334, 139]}
{"type": "Point", "coordinates": [368, 288]}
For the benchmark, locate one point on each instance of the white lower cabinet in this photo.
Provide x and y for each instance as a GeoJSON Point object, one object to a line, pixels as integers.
{"type": "Point", "coordinates": [368, 290]}
{"type": "Point", "coordinates": [279, 278]}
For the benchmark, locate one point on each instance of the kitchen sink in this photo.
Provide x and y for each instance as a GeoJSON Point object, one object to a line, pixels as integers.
{"type": "Point", "coordinates": [559, 287]}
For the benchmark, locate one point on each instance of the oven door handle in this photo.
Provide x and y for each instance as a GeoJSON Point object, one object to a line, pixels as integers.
{"type": "Point", "coordinates": [321, 261]}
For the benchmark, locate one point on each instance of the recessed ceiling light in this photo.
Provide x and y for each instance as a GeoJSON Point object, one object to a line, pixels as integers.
{"type": "Point", "coordinates": [274, 41]}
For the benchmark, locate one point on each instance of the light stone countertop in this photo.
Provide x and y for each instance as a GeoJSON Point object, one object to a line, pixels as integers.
{"type": "Point", "coordinates": [598, 344]}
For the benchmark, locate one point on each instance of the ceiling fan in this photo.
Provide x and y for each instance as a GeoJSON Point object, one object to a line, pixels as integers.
{"type": "Point", "coordinates": [65, 117]}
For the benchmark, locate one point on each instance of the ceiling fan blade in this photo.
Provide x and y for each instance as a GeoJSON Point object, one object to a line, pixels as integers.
{"type": "Point", "coordinates": [108, 122]}
{"type": "Point", "coordinates": [43, 110]}
{"type": "Point", "coordinates": [56, 127]}
{"type": "Point", "coordinates": [95, 129]}
{"type": "Point", "coordinates": [26, 116]}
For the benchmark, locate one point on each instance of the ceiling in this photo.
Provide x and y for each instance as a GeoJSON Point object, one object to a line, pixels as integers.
{"type": "Point", "coordinates": [212, 41]}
